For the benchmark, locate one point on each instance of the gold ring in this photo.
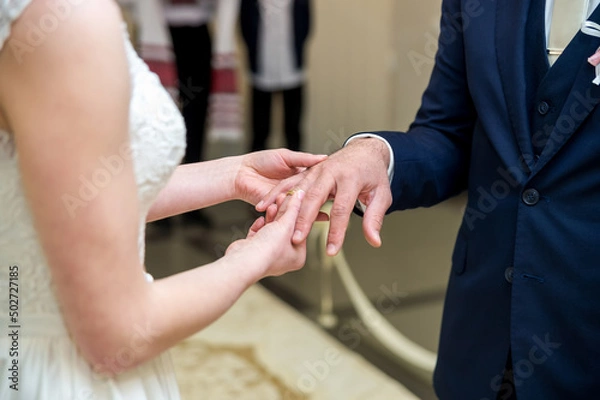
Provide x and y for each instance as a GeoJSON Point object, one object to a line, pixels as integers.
{"type": "Point", "coordinates": [291, 192]}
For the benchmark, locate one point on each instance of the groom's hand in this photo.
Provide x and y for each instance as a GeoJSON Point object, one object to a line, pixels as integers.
{"type": "Point", "coordinates": [358, 171]}
{"type": "Point", "coordinates": [261, 171]}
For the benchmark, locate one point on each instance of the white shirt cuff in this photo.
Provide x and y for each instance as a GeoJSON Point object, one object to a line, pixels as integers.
{"type": "Point", "coordinates": [390, 170]}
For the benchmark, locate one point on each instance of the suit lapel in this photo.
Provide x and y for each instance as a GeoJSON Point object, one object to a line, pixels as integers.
{"type": "Point", "coordinates": [511, 40]}
{"type": "Point", "coordinates": [583, 96]}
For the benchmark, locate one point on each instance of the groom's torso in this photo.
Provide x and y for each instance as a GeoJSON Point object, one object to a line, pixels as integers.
{"type": "Point", "coordinates": [526, 274]}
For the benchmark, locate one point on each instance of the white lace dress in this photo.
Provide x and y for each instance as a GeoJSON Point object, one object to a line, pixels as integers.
{"type": "Point", "coordinates": [39, 358]}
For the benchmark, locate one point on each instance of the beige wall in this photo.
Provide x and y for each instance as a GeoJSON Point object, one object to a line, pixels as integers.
{"type": "Point", "coordinates": [360, 74]}
{"type": "Point", "coordinates": [415, 33]}
{"type": "Point", "coordinates": [351, 58]}
{"type": "Point", "coordinates": [361, 77]}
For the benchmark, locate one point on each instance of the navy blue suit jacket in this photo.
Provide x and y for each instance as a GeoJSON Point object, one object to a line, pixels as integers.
{"type": "Point", "coordinates": [526, 265]}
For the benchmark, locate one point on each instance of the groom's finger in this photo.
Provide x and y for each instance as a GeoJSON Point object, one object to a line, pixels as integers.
{"type": "Point", "coordinates": [375, 214]}
{"type": "Point", "coordinates": [277, 191]}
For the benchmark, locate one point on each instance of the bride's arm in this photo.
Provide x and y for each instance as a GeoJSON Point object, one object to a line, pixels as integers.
{"type": "Point", "coordinates": [197, 185]}
{"type": "Point", "coordinates": [66, 101]}
{"type": "Point", "coordinates": [249, 178]}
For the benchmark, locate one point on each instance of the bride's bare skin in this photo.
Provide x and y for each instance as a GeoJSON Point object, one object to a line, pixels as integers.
{"type": "Point", "coordinates": [67, 104]}
{"type": "Point", "coordinates": [3, 124]}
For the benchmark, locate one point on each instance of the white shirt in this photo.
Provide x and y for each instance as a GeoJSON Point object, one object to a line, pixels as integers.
{"type": "Point", "coordinates": [591, 6]}
{"type": "Point", "coordinates": [189, 13]}
{"type": "Point", "coordinates": [276, 59]}
{"type": "Point", "coordinates": [154, 38]}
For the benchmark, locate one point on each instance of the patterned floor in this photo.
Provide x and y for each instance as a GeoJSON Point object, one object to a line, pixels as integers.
{"type": "Point", "coordinates": [264, 350]}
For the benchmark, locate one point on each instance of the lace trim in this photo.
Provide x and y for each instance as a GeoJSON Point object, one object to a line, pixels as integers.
{"type": "Point", "coordinates": [157, 141]}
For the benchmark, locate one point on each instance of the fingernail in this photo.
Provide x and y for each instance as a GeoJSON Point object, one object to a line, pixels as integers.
{"type": "Point", "coordinates": [297, 236]}
{"type": "Point", "coordinates": [300, 193]}
{"type": "Point", "coordinates": [260, 204]}
{"type": "Point", "coordinates": [331, 249]}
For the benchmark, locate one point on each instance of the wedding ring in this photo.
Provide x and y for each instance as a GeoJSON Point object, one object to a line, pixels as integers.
{"type": "Point", "coordinates": [291, 192]}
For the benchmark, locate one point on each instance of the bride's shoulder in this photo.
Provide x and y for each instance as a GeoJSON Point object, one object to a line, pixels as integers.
{"type": "Point", "coordinates": [62, 30]}
{"type": "Point", "coordinates": [40, 22]}
{"type": "Point", "coordinates": [60, 45]}
{"type": "Point", "coordinates": [55, 12]}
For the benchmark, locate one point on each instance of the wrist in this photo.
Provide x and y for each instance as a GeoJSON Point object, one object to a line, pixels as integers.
{"type": "Point", "coordinates": [232, 176]}
{"type": "Point", "coordinates": [244, 174]}
{"type": "Point", "coordinates": [246, 265]}
{"type": "Point", "coordinates": [374, 144]}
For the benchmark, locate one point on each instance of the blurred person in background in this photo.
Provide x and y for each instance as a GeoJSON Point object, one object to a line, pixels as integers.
{"type": "Point", "coordinates": [195, 57]}
{"type": "Point", "coordinates": [275, 33]}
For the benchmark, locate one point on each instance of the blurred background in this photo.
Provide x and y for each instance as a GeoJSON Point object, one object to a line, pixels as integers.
{"type": "Point", "coordinates": [367, 64]}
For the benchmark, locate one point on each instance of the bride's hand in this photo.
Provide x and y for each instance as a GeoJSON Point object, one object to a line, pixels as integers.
{"type": "Point", "coordinates": [259, 172]}
{"type": "Point", "coordinates": [269, 241]}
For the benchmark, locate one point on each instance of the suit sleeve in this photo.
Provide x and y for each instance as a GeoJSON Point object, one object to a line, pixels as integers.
{"type": "Point", "coordinates": [432, 158]}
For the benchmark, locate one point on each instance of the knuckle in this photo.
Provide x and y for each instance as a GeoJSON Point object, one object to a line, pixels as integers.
{"type": "Point", "coordinates": [336, 235]}
{"type": "Point", "coordinates": [302, 222]}
{"type": "Point", "coordinates": [345, 200]}
{"type": "Point", "coordinates": [312, 195]}
{"type": "Point", "coordinates": [339, 212]}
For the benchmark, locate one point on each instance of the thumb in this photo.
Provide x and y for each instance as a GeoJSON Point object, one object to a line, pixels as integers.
{"type": "Point", "coordinates": [291, 208]}
{"type": "Point", "coordinates": [298, 159]}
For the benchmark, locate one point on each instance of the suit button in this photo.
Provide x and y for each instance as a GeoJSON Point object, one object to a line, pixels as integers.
{"type": "Point", "coordinates": [543, 108]}
{"type": "Point", "coordinates": [509, 273]}
{"type": "Point", "coordinates": [531, 197]}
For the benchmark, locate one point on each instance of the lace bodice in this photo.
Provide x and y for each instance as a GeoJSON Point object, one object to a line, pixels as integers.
{"type": "Point", "coordinates": [157, 141]}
